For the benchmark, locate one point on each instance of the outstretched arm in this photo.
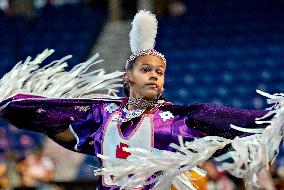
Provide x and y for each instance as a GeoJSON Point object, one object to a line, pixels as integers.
{"type": "Point", "coordinates": [53, 117]}
{"type": "Point", "coordinates": [199, 120]}
{"type": "Point", "coordinates": [215, 119]}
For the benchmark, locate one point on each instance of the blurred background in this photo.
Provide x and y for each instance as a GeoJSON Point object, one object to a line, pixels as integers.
{"type": "Point", "coordinates": [218, 51]}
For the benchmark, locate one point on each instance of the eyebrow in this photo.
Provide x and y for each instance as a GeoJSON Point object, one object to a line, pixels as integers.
{"type": "Point", "coordinates": [147, 64]}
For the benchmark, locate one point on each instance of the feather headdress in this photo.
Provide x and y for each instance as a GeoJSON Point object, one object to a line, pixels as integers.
{"type": "Point", "coordinates": [143, 36]}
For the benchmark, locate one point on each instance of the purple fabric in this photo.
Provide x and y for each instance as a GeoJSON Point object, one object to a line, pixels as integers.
{"type": "Point", "coordinates": [89, 117]}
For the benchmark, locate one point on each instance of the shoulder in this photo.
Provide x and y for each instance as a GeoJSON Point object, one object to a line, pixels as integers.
{"type": "Point", "coordinates": [110, 105]}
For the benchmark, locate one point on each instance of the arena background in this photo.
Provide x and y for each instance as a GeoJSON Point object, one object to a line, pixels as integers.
{"type": "Point", "coordinates": [218, 51]}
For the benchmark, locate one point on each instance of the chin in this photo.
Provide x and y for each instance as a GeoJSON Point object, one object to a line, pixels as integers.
{"type": "Point", "coordinates": [150, 96]}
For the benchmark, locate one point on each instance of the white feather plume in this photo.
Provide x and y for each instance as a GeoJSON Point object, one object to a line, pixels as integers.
{"type": "Point", "coordinates": [53, 81]}
{"type": "Point", "coordinates": [144, 31]}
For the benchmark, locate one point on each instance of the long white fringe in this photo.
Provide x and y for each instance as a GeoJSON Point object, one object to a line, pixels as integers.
{"type": "Point", "coordinates": [253, 153]}
{"type": "Point", "coordinates": [53, 81]}
{"type": "Point", "coordinates": [250, 155]}
{"type": "Point", "coordinates": [167, 166]}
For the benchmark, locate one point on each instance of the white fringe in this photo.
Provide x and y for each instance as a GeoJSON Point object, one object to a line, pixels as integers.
{"type": "Point", "coordinates": [250, 155]}
{"type": "Point", "coordinates": [253, 153]}
{"type": "Point", "coordinates": [167, 166]}
{"type": "Point", "coordinates": [53, 81]}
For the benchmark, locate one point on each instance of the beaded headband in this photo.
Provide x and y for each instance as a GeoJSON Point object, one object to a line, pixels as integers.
{"type": "Point", "coordinates": [142, 36]}
{"type": "Point", "coordinates": [144, 52]}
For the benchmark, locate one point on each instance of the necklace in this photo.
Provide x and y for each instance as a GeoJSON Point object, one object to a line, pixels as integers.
{"type": "Point", "coordinates": [140, 104]}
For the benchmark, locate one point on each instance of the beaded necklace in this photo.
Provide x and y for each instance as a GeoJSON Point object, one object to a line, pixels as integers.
{"type": "Point", "coordinates": [140, 104]}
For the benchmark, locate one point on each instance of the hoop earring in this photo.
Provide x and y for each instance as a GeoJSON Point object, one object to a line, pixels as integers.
{"type": "Point", "coordinates": [161, 92]}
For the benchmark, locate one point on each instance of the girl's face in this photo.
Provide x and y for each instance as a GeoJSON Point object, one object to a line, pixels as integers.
{"type": "Point", "coordinates": [146, 79]}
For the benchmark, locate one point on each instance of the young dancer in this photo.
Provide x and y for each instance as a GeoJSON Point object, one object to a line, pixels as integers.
{"type": "Point", "coordinates": [63, 106]}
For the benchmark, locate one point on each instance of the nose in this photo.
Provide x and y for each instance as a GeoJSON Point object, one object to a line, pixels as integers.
{"type": "Point", "coordinates": [153, 76]}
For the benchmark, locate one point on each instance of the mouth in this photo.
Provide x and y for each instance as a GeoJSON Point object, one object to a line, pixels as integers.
{"type": "Point", "coordinates": [152, 85]}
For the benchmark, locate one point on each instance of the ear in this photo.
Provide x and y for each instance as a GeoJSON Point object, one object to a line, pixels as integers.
{"type": "Point", "coordinates": [127, 76]}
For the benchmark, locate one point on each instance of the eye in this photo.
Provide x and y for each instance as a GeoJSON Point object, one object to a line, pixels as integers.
{"type": "Point", "coordinates": [160, 72]}
{"type": "Point", "coordinates": [144, 69]}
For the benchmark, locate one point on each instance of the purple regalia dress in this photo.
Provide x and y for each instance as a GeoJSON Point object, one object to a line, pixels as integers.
{"type": "Point", "coordinates": [92, 121]}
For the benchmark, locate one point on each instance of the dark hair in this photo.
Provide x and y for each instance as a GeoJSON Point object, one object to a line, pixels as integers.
{"type": "Point", "coordinates": [125, 85]}
{"type": "Point", "coordinates": [126, 89]}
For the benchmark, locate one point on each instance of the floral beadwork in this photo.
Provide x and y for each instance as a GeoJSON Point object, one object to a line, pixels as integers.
{"type": "Point", "coordinates": [111, 108]}
{"type": "Point", "coordinates": [166, 115]}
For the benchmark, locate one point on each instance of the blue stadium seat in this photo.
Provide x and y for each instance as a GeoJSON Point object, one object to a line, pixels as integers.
{"type": "Point", "coordinates": [230, 46]}
{"type": "Point", "coordinates": [19, 39]}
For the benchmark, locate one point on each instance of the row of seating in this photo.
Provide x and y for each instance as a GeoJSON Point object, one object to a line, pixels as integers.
{"type": "Point", "coordinates": [69, 29]}
{"type": "Point", "coordinates": [231, 46]}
